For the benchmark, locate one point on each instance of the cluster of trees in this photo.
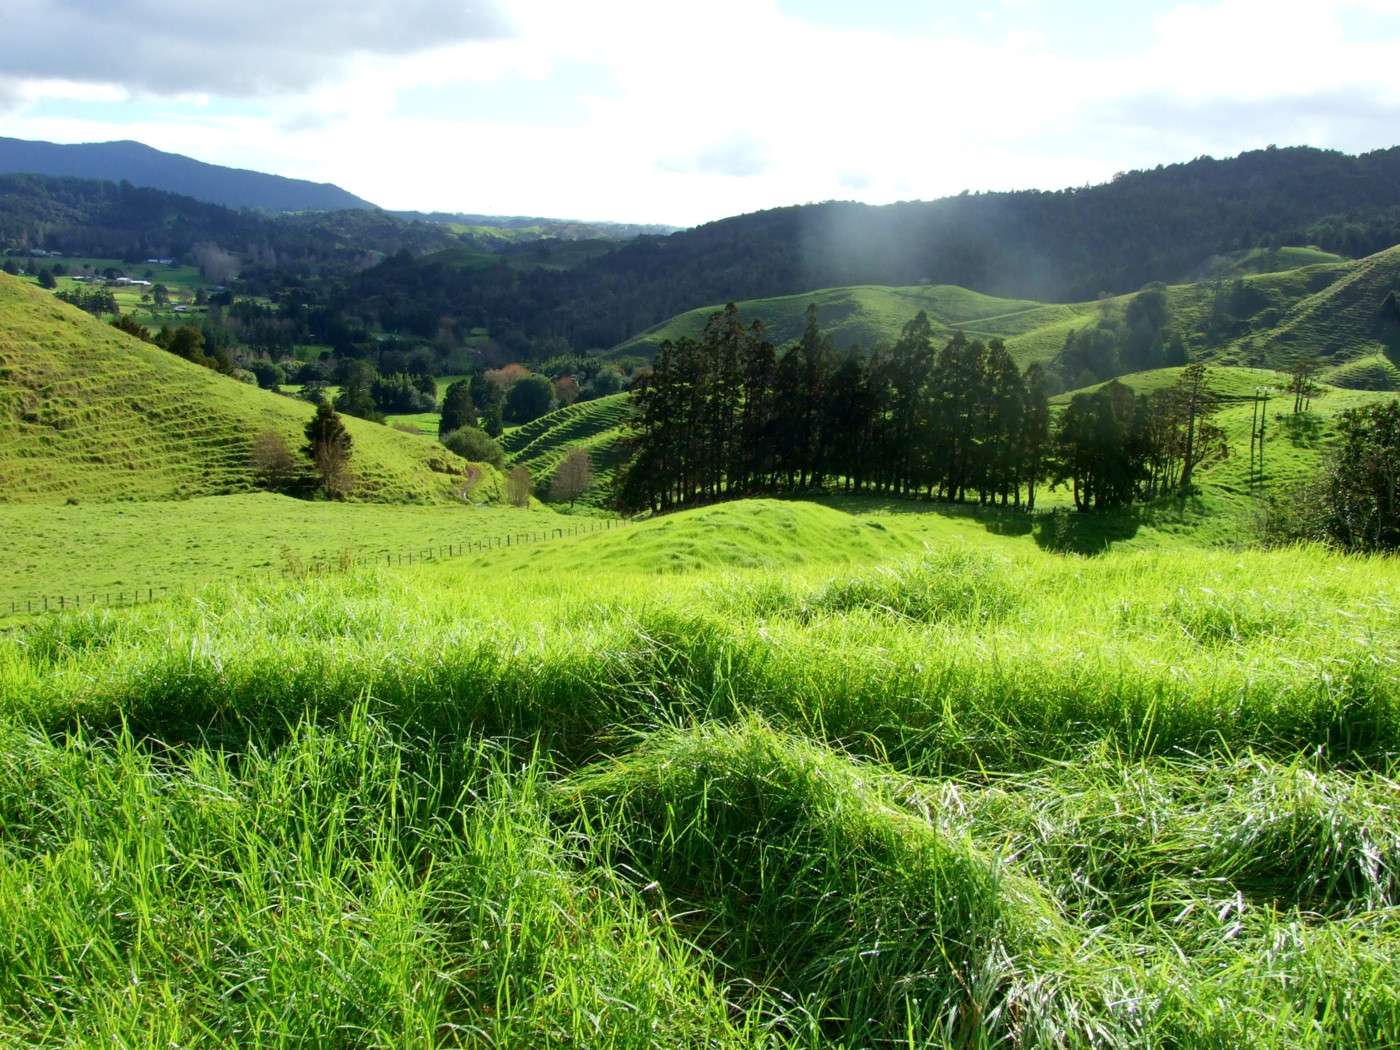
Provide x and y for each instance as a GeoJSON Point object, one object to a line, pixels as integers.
{"type": "Point", "coordinates": [186, 342]}
{"type": "Point", "coordinates": [367, 394]}
{"type": "Point", "coordinates": [1113, 446]}
{"type": "Point", "coordinates": [725, 415]}
{"type": "Point", "coordinates": [1138, 340]}
{"type": "Point", "coordinates": [326, 454]}
{"type": "Point", "coordinates": [96, 301]}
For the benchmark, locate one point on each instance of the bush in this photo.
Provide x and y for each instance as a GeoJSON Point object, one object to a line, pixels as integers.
{"type": "Point", "coordinates": [269, 375]}
{"type": "Point", "coordinates": [1363, 480]}
{"type": "Point", "coordinates": [518, 487]}
{"type": "Point", "coordinates": [474, 444]}
{"type": "Point", "coordinates": [273, 464]}
{"type": "Point", "coordinates": [1354, 503]}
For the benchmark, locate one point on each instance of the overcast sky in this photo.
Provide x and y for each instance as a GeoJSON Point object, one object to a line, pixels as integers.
{"type": "Point", "coordinates": [681, 112]}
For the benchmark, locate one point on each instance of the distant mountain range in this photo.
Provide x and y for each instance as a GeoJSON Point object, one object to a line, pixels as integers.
{"type": "Point", "coordinates": [149, 168]}
{"type": "Point", "coordinates": [143, 166]}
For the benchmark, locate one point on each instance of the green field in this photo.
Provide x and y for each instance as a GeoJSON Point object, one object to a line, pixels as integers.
{"type": "Point", "coordinates": [1320, 306]}
{"type": "Point", "coordinates": [760, 775]}
{"type": "Point", "coordinates": [114, 550]}
{"type": "Point", "coordinates": [88, 413]}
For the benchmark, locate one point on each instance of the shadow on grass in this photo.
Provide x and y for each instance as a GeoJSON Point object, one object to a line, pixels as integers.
{"type": "Point", "coordinates": [1063, 531]}
{"type": "Point", "coordinates": [1304, 429]}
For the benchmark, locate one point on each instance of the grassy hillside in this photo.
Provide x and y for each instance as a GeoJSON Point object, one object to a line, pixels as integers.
{"type": "Point", "coordinates": [1324, 307]}
{"type": "Point", "coordinates": [866, 315]}
{"type": "Point", "coordinates": [88, 413]}
{"type": "Point", "coordinates": [1345, 320]}
{"type": "Point", "coordinates": [593, 425]}
{"type": "Point", "coordinates": [929, 785]}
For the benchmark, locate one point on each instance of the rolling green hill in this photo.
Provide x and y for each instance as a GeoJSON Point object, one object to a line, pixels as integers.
{"type": "Point", "coordinates": [593, 425]}
{"type": "Point", "coordinates": [1323, 308]}
{"type": "Point", "coordinates": [865, 315]}
{"type": "Point", "coordinates": [1347, 319]}
{"type": "Point", "coordinates": [89, 413]}
{"type": "Point", "coordinates": [1262, 260]}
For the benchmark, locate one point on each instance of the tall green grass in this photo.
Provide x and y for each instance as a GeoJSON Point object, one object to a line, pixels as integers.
{"type": "Point", "coordinates": [922, 785]}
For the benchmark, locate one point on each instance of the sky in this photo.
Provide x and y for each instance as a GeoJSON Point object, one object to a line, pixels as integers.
{"type": "Point", "coordinates": [676, 112]}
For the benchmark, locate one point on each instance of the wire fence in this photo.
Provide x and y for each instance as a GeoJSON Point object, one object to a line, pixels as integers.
{"type": "Point", "coordinates": [296, 565]}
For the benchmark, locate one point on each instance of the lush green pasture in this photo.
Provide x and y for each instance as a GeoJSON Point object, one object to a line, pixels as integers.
{"type": "Point", "coordinates": [114, 549]}
{"type": "Point", "coordinates": [837, 775]}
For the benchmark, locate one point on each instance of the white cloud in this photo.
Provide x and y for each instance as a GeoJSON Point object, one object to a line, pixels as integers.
{"type": "Point", "coordinates": [250, 48]}
{"type": "Point", "coordinates": [699, 111]}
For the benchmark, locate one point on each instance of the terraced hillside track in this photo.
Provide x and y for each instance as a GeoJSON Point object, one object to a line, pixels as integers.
{"type": "Point", "coordinates": [597, 426]}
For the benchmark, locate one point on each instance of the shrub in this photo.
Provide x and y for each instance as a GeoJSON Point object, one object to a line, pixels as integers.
{"type": "Point", "coordinates": [474, 444]}
{"type": "Point", "coordinates": [518, 487]}
{"type": "Point", "coordinates": [273, 463]}
{"type": "Point", "coordinates": [1355, 502]}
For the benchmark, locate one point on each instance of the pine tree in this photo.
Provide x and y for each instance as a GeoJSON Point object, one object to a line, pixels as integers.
{"type": "Point", "coordinates": [328, 446]}
{"type": "Point", "coordinates": [458, 409]}
{"type": "Point", "coordinates": [1035, 432]}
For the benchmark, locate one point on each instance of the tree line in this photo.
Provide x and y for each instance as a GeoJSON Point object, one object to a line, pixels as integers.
{"type": "Point", "coordinates": [727, 415]}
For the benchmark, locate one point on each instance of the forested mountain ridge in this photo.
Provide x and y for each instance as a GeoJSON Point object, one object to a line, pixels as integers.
{"type": "Point", "coordinates": [1059, 246]}
{"type": "Point", "coordinates": [141, 165]}
{"type": "Point", "coordinates": [118, 220]}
